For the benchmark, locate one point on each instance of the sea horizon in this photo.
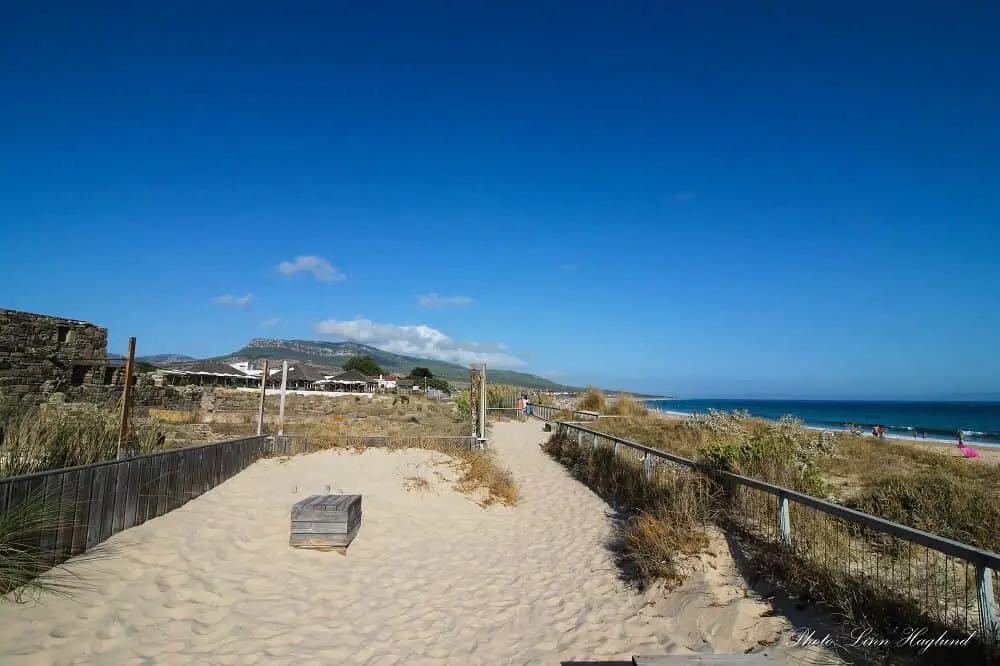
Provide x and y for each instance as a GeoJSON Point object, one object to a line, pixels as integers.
{"type": "Point", "coordinates": [914, 420]}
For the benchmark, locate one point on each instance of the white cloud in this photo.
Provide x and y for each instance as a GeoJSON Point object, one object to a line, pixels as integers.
{"type": "Point", "coordinates": [230, 300]}
{"type": "Point", "coordinates": [433, 300]}
{"type": "Point", "coordinates": [318, 266]}
{"type": "Point", "coordinates": [418, 340]}
{"type": "Point", "coordinates": [267, 323]}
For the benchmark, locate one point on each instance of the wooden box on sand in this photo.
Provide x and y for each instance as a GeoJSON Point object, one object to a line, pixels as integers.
{"type": "Point", "coordinates": [326, 522]}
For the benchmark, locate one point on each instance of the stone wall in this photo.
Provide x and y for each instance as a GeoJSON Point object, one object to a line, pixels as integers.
{"type": "Point", "coordinates": [41, 355]}
{"type": "Point", "coordinates": [145, 394]}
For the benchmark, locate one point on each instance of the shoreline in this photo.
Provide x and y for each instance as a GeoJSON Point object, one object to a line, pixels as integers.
{"type": "Point", "coordinates": [989, 453]}
{"type": "Point", "coordinates": [969, 437]}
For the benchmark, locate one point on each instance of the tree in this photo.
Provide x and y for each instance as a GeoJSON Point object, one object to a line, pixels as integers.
{"type": "Point", "coordinates": [439, 384]}
{"type": "Point", "coordinates": [421, 373]}
{"type": "Point", "coordinates": [366, 365]}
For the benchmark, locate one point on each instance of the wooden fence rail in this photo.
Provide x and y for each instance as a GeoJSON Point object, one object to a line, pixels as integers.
{"type": "Point", "coordinates": [93, 502]}
{"type": "Point", "coordinates": [981, 602]}
{"type": "Point", "coordinates": [295, 444]}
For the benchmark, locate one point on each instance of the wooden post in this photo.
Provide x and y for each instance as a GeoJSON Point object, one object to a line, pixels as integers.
{"type": "Point", "coordinates": [987, 606]}
{"type": "Point", "coordinates": [126, 397]}
{"type": "Point", "coordinates": [482, 407]}
{"type": "Point", "coordinates": [281, 403]}
{"type": "Point", "coordinates": [474, 402]}
{"type": "Point", "coordinates": [784, 521]}
{"type": "Point", "coordinates": [263, 394]}
{"type": "Point", "coordinates": [647, 465]}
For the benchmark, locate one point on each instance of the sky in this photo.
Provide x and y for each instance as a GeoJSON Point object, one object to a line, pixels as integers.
{"type": "Point", "coordinates": [775, 199]}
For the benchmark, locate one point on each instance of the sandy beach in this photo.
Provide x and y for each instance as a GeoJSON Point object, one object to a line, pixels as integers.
{"type": "Point", "coordinates": [432, 578]}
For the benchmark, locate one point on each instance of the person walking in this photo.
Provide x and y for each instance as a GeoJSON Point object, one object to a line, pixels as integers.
{"type": "Point", "coordinates": [527, 408]}
{"type": "Point", "coordinates": [520, 408]}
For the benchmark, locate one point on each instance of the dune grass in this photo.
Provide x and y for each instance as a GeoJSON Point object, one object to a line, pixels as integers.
{"type": "Point", "coordinates": [45, 438]}
{"type": "Point", "coordinates": [592, 400]}
{"type": "Point", "coordinates": [663, 523]}
{"type": "Point", "coordinates": [866, 578]}
{"type": "Point", "coordinates": [26, 571]}
{"type": "Point", "coordinates": [898, 481]}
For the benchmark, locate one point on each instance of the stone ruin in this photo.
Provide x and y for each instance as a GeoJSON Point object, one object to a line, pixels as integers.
{"type": "Point", "coordinates": [47, 359]}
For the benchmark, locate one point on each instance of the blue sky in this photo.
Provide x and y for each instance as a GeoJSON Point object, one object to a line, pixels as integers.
{"type": "Point", "coordinates": [704, 199]}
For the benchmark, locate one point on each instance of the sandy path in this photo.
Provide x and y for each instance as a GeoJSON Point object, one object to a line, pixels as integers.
{"type": "Point", "coordinates": [432, 578]}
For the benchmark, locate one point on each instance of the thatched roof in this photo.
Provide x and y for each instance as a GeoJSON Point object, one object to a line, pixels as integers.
{"type": "Point", "coordinates": [352, 376]}
{"type": "Point", "coordinates": [305, 373]}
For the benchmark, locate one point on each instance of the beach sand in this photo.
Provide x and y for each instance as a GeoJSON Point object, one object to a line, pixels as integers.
{"type": "Point", "coordinates": [432, 578]}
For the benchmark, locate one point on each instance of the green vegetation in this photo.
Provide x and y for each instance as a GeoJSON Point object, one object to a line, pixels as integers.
{"type": "Point", "coordinates": [331, 353]}
{"type": "Point", "coordinates": [366, 365]}
{"type": "Point", "coordinates": [24, 568]}
{"type": "Point", "coordinates": [424, 378]}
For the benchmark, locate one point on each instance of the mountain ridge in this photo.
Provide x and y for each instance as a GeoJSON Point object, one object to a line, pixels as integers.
{"type": "Point", "coordinates": [334, 353]}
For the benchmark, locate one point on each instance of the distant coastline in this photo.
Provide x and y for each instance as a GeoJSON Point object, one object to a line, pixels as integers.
{"type": "Point", "coordinates": [929, 421]}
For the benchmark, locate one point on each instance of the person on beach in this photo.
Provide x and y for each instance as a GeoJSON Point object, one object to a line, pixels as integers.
{"type": "Point", "coordinates": [967, 451]}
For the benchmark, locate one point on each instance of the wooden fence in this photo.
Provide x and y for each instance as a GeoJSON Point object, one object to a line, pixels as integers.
{"type": "Point", "coordinates": [549, 413]}
{"type": "Point", "coordinates": [951, 583]}
{"type": "Point", "coordinates": [93, 502]}
{"type": "Point", "coordinates": [295, 444]}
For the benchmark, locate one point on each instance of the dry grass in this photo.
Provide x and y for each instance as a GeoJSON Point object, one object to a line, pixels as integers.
{"type": "Point", "coordinates": [666, 520]}
{"type": "Point", "coordinates": [48, 438]}
{"type": "Point", "coordinates": [380, 418]}
{"type": "Point", "coordinates": [626, 405]}
{"type": "Point", "coordinates": [592, 401]}
{"type": "Point", "coordinates": [867, 578]}
{"type": "Point", "coordinates": [670, 435]}
{"type": "Point", "coordinates": [657, 541]}
{"type": "Point", "coordinates": [417, 484]}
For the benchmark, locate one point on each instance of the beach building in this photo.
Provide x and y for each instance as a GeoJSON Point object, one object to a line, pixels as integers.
{"type": "Point", "coordinates": [205, 373]}
{"type": "Point", "coordinates": [304, 377]}
{"type": "Point", "coordinates": [351, 381]}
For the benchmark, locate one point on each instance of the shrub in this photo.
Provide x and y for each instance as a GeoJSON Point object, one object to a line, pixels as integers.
{"type": "Point", "coordinates": [591, 401]}
{"type": "Point", "coordinates": [782, 453]}
{"type": "Point", "coordinates": [626, 405]}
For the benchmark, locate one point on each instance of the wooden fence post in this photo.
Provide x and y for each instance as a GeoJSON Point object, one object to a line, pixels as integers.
{"type": "Point", "coordinates": [281, 403]}
{"type": "Point", "coordinates": [647, 465]}
{"type": "Point", "coordinates": [987, 606]}
{"type": "Point", "coordinates": [126, 397]}
{"type": "Point", "coordinates": [263, 394]}
{"type": "Point", "coordinates": [784, 521]}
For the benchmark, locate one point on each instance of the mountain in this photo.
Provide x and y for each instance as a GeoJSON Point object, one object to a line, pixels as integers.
{"type": "Point", "coordinates": [164, 359]}
{"type": "Point", "coordinates": [335, 353]}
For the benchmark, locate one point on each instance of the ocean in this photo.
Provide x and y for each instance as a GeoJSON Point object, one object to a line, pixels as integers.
{"type": "Point", "coordinates": [979, 422]}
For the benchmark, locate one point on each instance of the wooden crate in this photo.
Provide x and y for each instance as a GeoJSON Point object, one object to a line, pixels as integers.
{"type": "Point", "coordinates": [326, 522]}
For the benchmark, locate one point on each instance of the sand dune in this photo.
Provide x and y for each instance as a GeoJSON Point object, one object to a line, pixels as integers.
{"type": "Point", "coordinates": [432, 578]}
